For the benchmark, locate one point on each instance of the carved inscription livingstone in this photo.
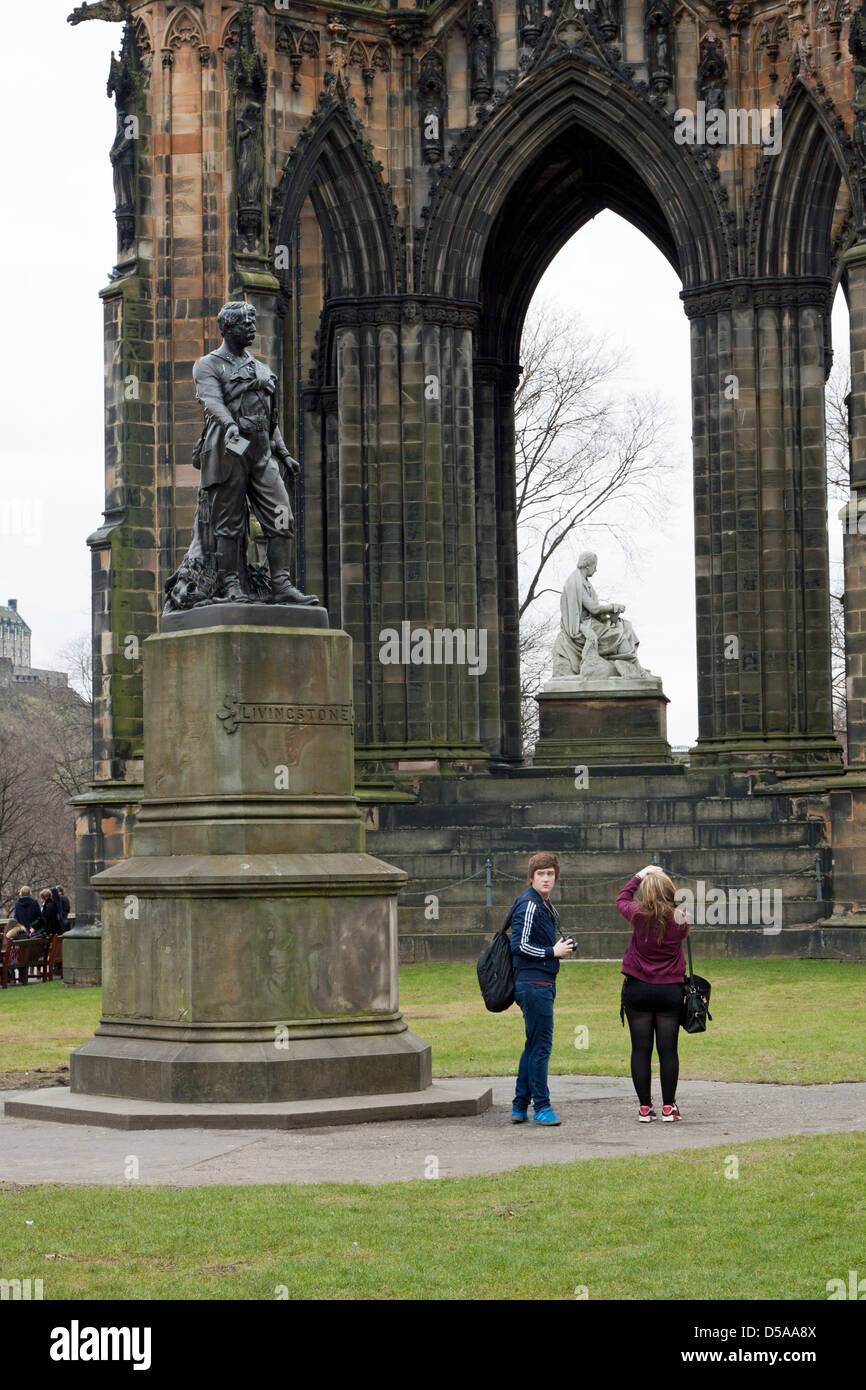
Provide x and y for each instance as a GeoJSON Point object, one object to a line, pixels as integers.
{"type": "Point", "coordinates": [235, 712]}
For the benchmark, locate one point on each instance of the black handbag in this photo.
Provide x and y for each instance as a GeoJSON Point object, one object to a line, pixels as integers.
{"type": "Point", "coordinates": [696, 999]}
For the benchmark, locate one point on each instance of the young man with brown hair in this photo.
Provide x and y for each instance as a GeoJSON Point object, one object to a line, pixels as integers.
{"type": "Point", "coordinates": [536, 954]}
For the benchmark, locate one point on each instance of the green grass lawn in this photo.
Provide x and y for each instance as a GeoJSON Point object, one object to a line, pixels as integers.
{"type": "Point", "coordinates": [620, 1228]}
{"type": "Point", "coordinates": [789, 1021]}
{"type": "Point", "coordinates": [41, 1024]}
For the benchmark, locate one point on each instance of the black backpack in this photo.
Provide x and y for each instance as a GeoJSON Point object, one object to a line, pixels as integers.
{"type": "Point", "coordinates": [495, 969]}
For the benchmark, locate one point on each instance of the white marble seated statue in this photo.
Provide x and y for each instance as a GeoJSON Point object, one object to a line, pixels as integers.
{"type": "Point", "coordinates": [594, 641]}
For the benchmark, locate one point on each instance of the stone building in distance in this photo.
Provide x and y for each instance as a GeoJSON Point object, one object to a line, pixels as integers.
{"type": "Point", "coordinates": [16, 673]}
{"type": "Point", "coordinates": [14, 636]}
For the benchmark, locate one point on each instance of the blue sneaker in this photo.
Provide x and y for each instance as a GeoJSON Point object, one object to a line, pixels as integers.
{"type": "Point", "coordinates": [547, 1117]}
{"type": "Point", "coordinates": [518, 1116]}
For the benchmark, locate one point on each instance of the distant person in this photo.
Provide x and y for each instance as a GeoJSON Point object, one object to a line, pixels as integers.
{"type": "Point", "coordinates": [14, 931]}
{"type": "Point", "coordinates": [26, 909]}
{"type": "Point", "coordinates": [63, 908]}
{"type": "Point", "coordinates": [655, 970]}
{"type": "Point", "coordinates": [50, 921]}
{"type": "Point", "coordinates": [55, 898]}
{"type": "Point", "coordinates": [536, 954]}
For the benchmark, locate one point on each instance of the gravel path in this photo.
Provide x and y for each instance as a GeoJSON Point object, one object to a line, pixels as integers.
{"type": "Point", "coordinates": [598, 1114]}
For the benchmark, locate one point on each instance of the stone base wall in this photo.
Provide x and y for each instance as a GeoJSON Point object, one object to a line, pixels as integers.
{"type": "Point", "coordinates": [760, 849]}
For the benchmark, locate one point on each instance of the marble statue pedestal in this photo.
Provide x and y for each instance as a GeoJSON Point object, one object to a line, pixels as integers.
{"type": "Point", "coordinates": [249, 942]}
{"type": "Point", "coordinates": [590, 721]}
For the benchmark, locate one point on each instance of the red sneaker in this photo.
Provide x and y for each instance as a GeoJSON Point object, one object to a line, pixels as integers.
{"type": "Point", "coordinates": [646, 1114]}
{"type": "Point", "coordinates": [670, 1113]}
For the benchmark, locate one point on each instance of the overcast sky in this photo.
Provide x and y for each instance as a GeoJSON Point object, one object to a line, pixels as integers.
{"type": "Point", "coordinates": [58, 244]}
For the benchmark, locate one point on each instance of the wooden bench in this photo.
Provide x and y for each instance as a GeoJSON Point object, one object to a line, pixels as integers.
{"type": "Point", "coordinates": [24, 955]}
{"type": "Point", "coordinates": [54, 959]}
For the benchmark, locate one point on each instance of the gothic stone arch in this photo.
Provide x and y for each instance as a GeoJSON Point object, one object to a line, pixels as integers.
{"type": "Point", "coordinates": [422, 166]}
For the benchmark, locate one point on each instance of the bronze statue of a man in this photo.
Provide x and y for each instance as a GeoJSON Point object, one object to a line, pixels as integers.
{"type": "Point", "coordinates": [241, 454]}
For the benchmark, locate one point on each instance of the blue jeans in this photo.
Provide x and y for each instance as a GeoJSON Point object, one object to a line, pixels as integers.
{"type": "Point", "coordinates": [536, 1003]}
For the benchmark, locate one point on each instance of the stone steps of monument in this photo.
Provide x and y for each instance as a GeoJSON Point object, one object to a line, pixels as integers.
{"type": "Point", "coordinates": [706, 827]}
{"type": "Point", "coordinates": [558, 784]}
{"type": "Point", "coordinates": [519, 819]}
{"type": "Point", "coordinates": [635, 840]}
{"type": "Point", "coordinates": [807, 941]}
{"type": "Point", "coordinates": [580, 806]}
{"type": "Point", "coordinates": [613, 866]}
{"type": "Point", "coordinates": [532, 783]}
{"type": "Point", "coordinates": [577, 886]}
{"type": "Point", "coordinates": [579, 917]}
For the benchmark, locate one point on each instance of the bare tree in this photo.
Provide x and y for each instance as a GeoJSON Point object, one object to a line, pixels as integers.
{"type": "Point", "coordinates": [584, 460]}
{"type": "Point", "coordinates": [72, 709]}
{"type": "Point", "coordinates": [77, 659]}
{"type": "Point", "coordinates": [71, 743]}
{"type": "Point", "coordinates": [578, 451]}
{"type": "Point", "coordinates": [836, 395]}
{"type": "Point", "coordinates": [36, 825]}
{"type": "Point", "coordinates": [536, 639]}
{"type": "Point", "coordinates": [45, 757]}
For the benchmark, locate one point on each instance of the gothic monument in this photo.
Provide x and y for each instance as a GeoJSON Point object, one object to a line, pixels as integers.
{"type": "Point", "coordinates": [385, 185]}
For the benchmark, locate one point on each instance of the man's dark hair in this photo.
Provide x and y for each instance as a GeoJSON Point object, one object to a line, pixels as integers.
{"type": "Point", "coordinates": [543, 860]}
{"type": "Point", "coordinates": [234, 312]}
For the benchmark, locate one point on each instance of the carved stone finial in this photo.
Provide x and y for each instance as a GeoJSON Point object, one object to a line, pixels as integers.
{"type": "Point", "coordinates": [337, 76]}
{"type": "Point", "coordinates": [249, 65]}
{"type": "Point", "coordinates": [607, 12]}
{"type": "Point", "coordinates": [530, 20]}
{"type": "Point", "coordinates": [114, 11]}
{"type": "Point", "coordinates": [406, 31]}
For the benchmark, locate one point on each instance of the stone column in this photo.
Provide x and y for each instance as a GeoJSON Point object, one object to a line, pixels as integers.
{"type": "Point", "coordinates": [509, 595]}
{"type": "Point", "coordinates": [353, 566]}
{"type": "Point", "coordinates": [762, 568]}
{"type": "Point", "coordinates": [407, 515]}
{"type": "Point", "coordinates": [484, 376]}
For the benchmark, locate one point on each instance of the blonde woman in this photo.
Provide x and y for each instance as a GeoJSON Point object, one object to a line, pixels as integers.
{"type": "Point", "coordinates": [13, 930]}
{"type": "Point", "coordinates": [654, 968]}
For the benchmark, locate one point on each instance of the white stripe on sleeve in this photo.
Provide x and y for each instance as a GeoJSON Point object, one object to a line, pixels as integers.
{"type": "Point", "coordinates": [525, 948]}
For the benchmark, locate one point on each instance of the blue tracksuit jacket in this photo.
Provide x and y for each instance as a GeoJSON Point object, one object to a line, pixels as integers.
{"type": "Point", "coordinates": [533, 936]}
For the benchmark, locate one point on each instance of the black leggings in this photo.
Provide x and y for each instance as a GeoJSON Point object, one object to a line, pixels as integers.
{"type": "Point", "coordinates": [653, 1010]}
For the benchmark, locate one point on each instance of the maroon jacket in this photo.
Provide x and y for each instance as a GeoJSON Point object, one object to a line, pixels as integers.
{"type": "Point", "coordinates": [648, 959]}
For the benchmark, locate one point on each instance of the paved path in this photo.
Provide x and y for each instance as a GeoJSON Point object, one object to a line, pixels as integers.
{"type": "Point", "coordinates": [598, 1116]}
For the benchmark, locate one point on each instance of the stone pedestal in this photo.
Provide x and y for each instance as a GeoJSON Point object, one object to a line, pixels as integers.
{"type": "Point", "coordinates": [82, 957]}
{"type": "Point", "coordinates": [249, 943]}
{"type": "Point", "coordinates": [848, 834]}
{"type": "Point", "coordinates": [586, 722]}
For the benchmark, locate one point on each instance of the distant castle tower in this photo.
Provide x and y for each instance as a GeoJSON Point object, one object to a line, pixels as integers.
{"type": "Point", "coordinates": [16, 673]}
{"type": "Point", "coordinates": [14, 635]}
